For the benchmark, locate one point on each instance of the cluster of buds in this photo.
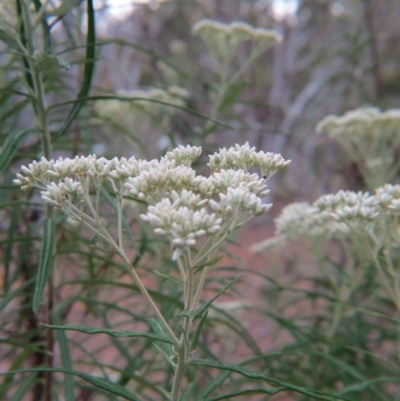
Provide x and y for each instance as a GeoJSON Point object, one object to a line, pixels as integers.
{"type": "Point", "coordinates": [361, 124]}
{"type": "Point", "coordinates": [224, 39]}
{"type": "Point", "coordinates": [338, 214]}
{"type": "Point", "coordinates": [182, 205]}
{"type": "Point", "coordinates": [244, 158]}
{"type": "Point", "coordinates": [350, 207]}
{"type": "Point", "coordinates": [301, 220]}
{"type": "Point", "coordinates": [371, 138]}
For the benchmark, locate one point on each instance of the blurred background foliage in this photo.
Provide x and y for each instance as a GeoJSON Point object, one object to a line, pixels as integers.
{"type": "Point", "coordinates": [334, 56]}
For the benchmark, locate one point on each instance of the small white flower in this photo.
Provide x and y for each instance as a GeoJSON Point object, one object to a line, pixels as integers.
{"type": "Point", "coordinates": [350, 207]}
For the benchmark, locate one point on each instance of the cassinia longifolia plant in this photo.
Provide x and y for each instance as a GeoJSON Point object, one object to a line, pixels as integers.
{"type": "Point", "coordinates": [365, 225]}
{"type": "Point", "coordinates": [223, 41]}
{"type": "Point", "coordinates": [371, 138]}
{"type": "Point", "coordinates": [182, 206]}
{"type": "Point", "coordinates": [371, 221]}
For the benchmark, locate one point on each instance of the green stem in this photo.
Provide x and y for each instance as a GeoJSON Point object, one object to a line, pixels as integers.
{"type": "Point", "coordinates": [148, 297]}
{"type": "Point", "coordinates": [179, 371]}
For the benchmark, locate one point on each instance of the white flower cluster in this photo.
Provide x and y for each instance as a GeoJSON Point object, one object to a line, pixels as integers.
{"type": "Point", "coordinates": [302, 220]}
{"type": "Point", "coordinates": [371, 138]}
{"type": "Point", "coordinates": [366, 122]}
{"type": "Point", "coordinates": [350, 207]}
{"type": "Point", "coordinates": [223, 39]}
{"type": "Point", "coordinates": [244, 157]}
{"type": "Point", "coordinates": [336, 215]}
{"type": "Point", "coordinates": [160, 178]}
{"type": "Point", "coordinates": [388, 197]}
{"type": "Point", "coordinates": [183, 220]}
{"type": "Point", "coordinates": [181, 204]}
{"type": "Point", "coordinates": [181, 155]}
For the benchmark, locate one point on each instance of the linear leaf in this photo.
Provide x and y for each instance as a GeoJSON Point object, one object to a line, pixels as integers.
{"type": "Point", "coordinates": [23, 387]}
{"type": "Point", "coordinates": [88, 71]}
{"type": "Point", "coordinates": [159, 329]}
{"type": "Point", "coordinates": [367, 383]}
{"type": "Point", "coordinates": [10, 147]}
{"type": "Point", "coordinates": [111, 332]}
{"type": "Point", "coordinates": [142, 99]}
{"type": "Point", "coordinates": [11, 41]}
{"type": "Point", "coordinates": [258, 376]}
{"type": "Point", "coordinates": [125, 223]}
{"type": "Point", "coordinates": [66, 363]}
{"type": "Point", "coordinates": [196, 334]}
{"type": "Point", "coordinates": [45, 261]}
{"type": "Point", "coordinates": [247, 392]}
{"type": "Point", "coordinates": [206, 305]}
{"type": "Point", "coordinates": [51, 61]}
{"type": "Point", "coordinates": [169, 278]}
{"type": "Point", "coordinates": [96, 381]}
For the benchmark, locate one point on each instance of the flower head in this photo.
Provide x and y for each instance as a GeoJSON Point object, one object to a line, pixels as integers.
{"type": "Point", "coordinates": [182, 224]}
{"type": "Point", "coordinates": [244, 158]}
{"type": "Point", "coordinates": [302, 220]}
{"type": "Point", "coordinates": [350, 207]}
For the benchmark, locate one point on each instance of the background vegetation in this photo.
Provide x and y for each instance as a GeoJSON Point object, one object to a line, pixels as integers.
{"type": "Point", "coordinates": [61, 82]}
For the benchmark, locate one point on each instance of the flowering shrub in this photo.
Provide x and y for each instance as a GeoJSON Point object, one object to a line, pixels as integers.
{"type": "Point", "coordinates": [370, 138]}
{"type": "Point", "coordinates": [182, 206]}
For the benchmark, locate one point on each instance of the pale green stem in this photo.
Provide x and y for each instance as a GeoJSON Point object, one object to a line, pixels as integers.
{"type": "Point", "coordinates": [179, 371]}
{"type": "Point", "coordinates": [148, 297]}
{"type": "Point", "coordinates": [200, 286]}
{"type": "Point", "coordinates": [40, 109]}
{"type": "Point", "coordinates": [119, 217]}
{"type": "Point", "coordinates": [201, 255]}
{"type": "Point", "coordinates": [97, 200]}
{"type": "Point", "coordinates": [86, 196]}
{"type": "Point", "coordinates": [253, 55]}
{"type": "Point", "coordinates": [385, 281]}
{"type": "Point", "coordinates": [102, 231]}
{"type": "Point", "coordinates": [182, 271]}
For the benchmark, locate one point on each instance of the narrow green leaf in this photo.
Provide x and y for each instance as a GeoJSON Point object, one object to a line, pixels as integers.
{"type": "Point", "coordinates": [355, 388]}
{"type": "Point", "coordinates": [96, 381]}
{"type": "Point", "coordinates": [270, 380]}
{"type": "Point", "coordinates": [11, 41]}
{"type": "Point", "coordinates": [83, 99]}
{"type": "Point", "coordinates": [23, 387]}
{"type": "Point", "coordinates": [64, 8]}
{"type": "Point", "coordinates": [206, 305]}
{"type": "Point", "coordinates": [51, 61]}
{"type": "Point", "coordinates": [125, 223]}
{"type": "Point", "coordinates": [66, 363]}
{"type": "Point", "coordinates": [159, 329]}
{"type": "Point", "coordinates": [23, 39]}
{"type": "Point", "coordinates": [232, 94]}
{"type": "Point", "coordinates": [45, 261]}
{"type": "Point", "coordinates": [247, 392]}
{"type": "Point", "coordinates": [20, 358]}
{"type": "Point", "coordinates": [169, 278]}
{"type": "Point", "coordinates": [111, 332]}
{"type": "Point", "coordinates": [213, 385]}
{"type": "Point", "coordinates": [196, 334]}
{"type": "Point", "coordinates": [10, 147]}
{"type": "Point", "coordinates": [8, 252]}
{"type": "Point", "coordinates": [164, 355]}
{"type": "Point", "coordinates": [235, 325]}
{"type": "Point", "coordinates": [45, 25]}
{"type": "Point", "coordinates": [210, 263]}
{"type": "Point", "coordinates": [88, 71]}
{"type": "Point", "coordinates": [10, 295]}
